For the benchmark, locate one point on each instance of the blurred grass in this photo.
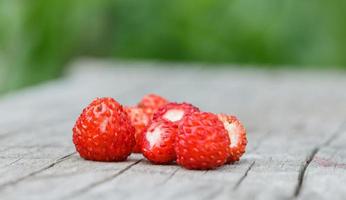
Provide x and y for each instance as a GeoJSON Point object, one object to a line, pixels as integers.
{"type": "Point", "coordinates": [38, 38]}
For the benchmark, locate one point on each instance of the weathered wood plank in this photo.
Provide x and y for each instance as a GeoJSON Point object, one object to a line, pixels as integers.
{"type": "Point", "coordinates": [58, 182]}
{"type": "Point", "coordinates": [23, 143]}
{"type": "Point", "coordinates": [325, 176]}
{"type": "Point", "coordinates": [278, 163]}
{"type": "Point", "coordinates": [37, 166]}
{"type": "Point", "coordinates": [288, 116]}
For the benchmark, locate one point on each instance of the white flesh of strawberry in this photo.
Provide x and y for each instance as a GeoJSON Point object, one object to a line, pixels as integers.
{"type": "Point", "coordinates": [154, 137]}
{"type": "Point", "coordinates": [174, 115]}
{"type": "Point", "coordinates": [232, 133]}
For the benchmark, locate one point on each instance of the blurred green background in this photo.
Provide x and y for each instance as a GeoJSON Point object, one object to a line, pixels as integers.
{"type": "Point", "coordinates": [39, 37]}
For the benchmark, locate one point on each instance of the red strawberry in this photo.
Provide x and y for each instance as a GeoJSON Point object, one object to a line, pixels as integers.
{"type": "Point", "coordinates": [139, 121]}
{"type": "Point", "coordinates": [103, 132]}
{"type": "Point", "coordinates": [202, 142]}
{"type": "Point", "coordinates": [237, 135]}
{"type": "Point", "coordinates": [151, 102]}
{"type": "Point", "coordinates": [174, 112]}
{"type": "Point", "coordinates": [158, 142]}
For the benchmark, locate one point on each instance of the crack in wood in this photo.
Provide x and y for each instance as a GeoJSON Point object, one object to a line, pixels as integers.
{"type": "Point", "coordinates": [170, 177]}
{"type": "Point", "coordinates": [236, 186]}
{"type": "Point", "coordinates": [304, 167]}
{"type": "Point", "coordinates": [13, 162]}
{"type": "Point", "coordinates": [254, 149]}
{"type": "Point", "coordinates": [302, 172]}
{"type": "Point", "coordinates": [259, 142]}
{"type": "Point", "coordinates": [14, 182]}
{"type": "Point", "coordinates": [98, 183]}
{"type": "Point", "coordinates": [54, 176]}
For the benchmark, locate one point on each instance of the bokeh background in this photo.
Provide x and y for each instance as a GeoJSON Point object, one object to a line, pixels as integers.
{"type": "Point", "coordinates": [39, 38]}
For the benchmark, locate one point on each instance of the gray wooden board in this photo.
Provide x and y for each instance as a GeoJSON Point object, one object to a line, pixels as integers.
{"type": "Point", "coordinates": [325, 175]}
{"type": "Point", "coordinates": [295, 122]}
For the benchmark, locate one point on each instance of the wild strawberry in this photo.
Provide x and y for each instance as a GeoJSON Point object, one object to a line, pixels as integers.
{"type": "Point", "coordinates": [237, 135]}
{"type": "Point", "coordinates": [139, 121]}
{"type": "Point", "coordinates": [174, 112]}
{"type": "Point", "coordinates": [158, 142]}
{"type": "Point", "coordinates": [202, 142]}
{"type": "Point", "coordinates": [103, 132]}
{"type": "Point", "coordinates": [150, 103]}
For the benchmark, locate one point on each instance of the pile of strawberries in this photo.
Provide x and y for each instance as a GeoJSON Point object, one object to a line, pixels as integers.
{"type": "Point", "coordinates": [162, 131]}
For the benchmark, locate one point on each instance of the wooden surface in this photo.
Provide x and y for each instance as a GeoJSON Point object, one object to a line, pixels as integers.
{"type": "Point", "coordinates": [295, 121]}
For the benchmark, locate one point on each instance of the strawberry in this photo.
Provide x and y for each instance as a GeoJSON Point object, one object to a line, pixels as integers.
{"type": "Point", "coordinates": [237, 135]}
{"type": "Point", "coordinates": [158, 142]}
{"type": "Point", "coordinates": [103, 132]}
{"type": "Point", "coordinates": [202, 142]}
{"type": "Point", "coordinates": [151, 102]}
{"type": "Point", "coordinates": [139, 121]}
{"type": "Point", "coordinates": [174, 112]}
